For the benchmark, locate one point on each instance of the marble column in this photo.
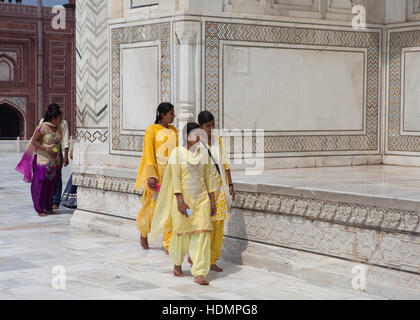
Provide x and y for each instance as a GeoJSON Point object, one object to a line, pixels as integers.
{"type": "Point", "coordinates": [187, 34]}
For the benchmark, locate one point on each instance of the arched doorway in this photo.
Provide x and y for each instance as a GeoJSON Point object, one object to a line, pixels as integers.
{"type": "Point", "coordinates": [11, 122]}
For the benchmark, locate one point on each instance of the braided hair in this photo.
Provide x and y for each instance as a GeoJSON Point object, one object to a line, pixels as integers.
{"type": "Point", "coordinates": [163, 109]}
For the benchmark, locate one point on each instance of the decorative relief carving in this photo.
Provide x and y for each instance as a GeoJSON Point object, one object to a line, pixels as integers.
{"type": "Point", "coordinates": [397, 141]}
{"type": "Point", "coordinates": [330, 211]}
{"type": "Point", "coordinates": [105, 183]}
{"type": "Point", "coordinates": [259, 206]}
{"type": "Point", "coordinates": [391, 249]}
{"type": "Point", "coordinates": [133, 34]}
{"type": "Point", "coordinates": [216, 32]}
{"type": "Point", "coordinates": [19, 102]}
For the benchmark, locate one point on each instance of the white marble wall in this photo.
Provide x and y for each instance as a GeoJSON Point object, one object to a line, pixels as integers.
{"type": "Point", "coordinates": [140, 66]}
{"type": "Point", "coordinates": [402, 111]}
{"type": "Point", "coordinates": [301, 90]}
{"type": "Point", "coordinates": [377, 11]}
{"type": "Point", "coordinates": [411, 95]}
{"type": "Point", "coordinates": [303, 87]}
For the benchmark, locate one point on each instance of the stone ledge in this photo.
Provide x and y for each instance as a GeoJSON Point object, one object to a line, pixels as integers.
{"type": "Point", "coordinates": [102, 223]}
{"type": "Point", "coordinates": [292, 201]}
{"type": "Point", "coordinates": [321, 269]}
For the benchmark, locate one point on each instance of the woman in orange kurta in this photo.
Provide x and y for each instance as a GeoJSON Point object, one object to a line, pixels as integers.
{"type": "Point", "coordinates": [159, 141]}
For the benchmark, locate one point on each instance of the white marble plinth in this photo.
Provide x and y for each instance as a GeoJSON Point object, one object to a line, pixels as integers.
{"type": "Point", "coordinates": [367, 215]}
{"type": "Point", "coordinates": [322, 269]}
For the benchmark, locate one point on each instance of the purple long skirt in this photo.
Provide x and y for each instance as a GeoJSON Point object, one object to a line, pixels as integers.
{"type": "Point", "coordinates": [44, 185]}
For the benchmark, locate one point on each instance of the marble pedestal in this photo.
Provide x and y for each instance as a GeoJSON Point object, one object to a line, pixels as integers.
{"type": "Point", "coordinates": [320, 224]}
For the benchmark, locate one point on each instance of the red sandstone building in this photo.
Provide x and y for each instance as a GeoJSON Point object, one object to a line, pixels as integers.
{"type": "Point", "coordinates": [37, 67]}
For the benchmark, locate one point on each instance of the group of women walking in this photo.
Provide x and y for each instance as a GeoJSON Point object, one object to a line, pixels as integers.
{"type": "Point", "coordinates": [187, 189]}
{"type": "Point", "coordinates": [187, 192]}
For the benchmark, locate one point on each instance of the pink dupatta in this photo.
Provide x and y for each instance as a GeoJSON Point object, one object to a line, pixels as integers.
{"type": "Point", "coordinates": [25, 166]}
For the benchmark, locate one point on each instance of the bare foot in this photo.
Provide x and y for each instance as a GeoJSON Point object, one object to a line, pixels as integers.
{"type": "Point", "coordinates": [144, 243]}
{"type": "Point", "coordinates": [42, 214]}
{"type": "Point", "coordinates": [201, 281]}
{"type": "Point", "coordinates": [216, 268]}
{"type": "Point", "coordinates": [190, 261]}
{"type": "Point", "coordinates": [55, 207]}
{"type": "Point", "coordinates": [167, 252]}
{"type": "Point", "coordinates": [51, 213]}
{"type": "Point", "coordinates": [178, 271]}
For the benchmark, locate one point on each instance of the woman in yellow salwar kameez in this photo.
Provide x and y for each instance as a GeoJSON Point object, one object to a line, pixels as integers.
{"type": "Point", "coordinates": [187, 199]}
{"type": "Point", "coordinates": [225, 193]}
{"type": "Point", "coordinates": [159, 141]}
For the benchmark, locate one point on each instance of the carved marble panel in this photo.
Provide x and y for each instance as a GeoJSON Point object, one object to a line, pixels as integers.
{"type": "Point", "coordinates": [218, 32]}
{"type": "Point", "coordinates": [401, 43]}
{"type": "Point", "coordinates": [132, 144]}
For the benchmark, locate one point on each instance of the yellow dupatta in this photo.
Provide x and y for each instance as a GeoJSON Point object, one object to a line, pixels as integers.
{"type": "Point", "coordinates": [158, 145]}
{"type": "Point", "coordinates": [165, 205]}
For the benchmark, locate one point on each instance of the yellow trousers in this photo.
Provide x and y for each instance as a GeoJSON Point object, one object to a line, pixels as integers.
{"type": "Point", "coordinates": [198, 246]}
{"type": "Point", "coordinates": [145, 216]}
{"type": "Point", "coordinates": [216, 240]}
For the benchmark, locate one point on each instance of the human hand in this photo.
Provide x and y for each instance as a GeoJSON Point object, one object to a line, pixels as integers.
{"type": "Point", "coordinates": [152, 182]}
{"type": "Point", "coordinates": [66, 161]}
{"type": "Point", "coordinates": [49, 150]}
{"type": "Point", "coordinates": [232, 192]}
{"type": "Point", "coordinates": [182, 208]}
{"type": "Point", "coordinates": [213, 208]}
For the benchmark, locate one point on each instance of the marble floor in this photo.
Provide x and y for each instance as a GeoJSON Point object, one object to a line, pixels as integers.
{"type": "Point", "coordinates": [97, 266]}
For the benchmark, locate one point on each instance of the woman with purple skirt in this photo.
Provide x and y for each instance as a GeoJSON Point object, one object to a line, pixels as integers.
{"type": "Point", "coordinates": [41, 162]}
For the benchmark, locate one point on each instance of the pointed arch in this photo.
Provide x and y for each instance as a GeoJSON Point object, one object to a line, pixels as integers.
{"type": "Point", "coordinates": [5, 105]}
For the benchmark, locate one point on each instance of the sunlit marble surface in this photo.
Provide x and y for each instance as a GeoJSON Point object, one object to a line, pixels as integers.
{"type": "Point", "coordinates": [102, 267]}
{"type": "Point", "coordinates": [375, 184]}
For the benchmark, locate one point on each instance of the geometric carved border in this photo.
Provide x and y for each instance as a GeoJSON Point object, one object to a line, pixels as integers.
{"type": "Point", "coordinates": [123, 143]}
{"type": "Point", "coordinates": [215, 32]}
{"type": "Point", "coordinates": [396, 141]}
{"type": "Point", "coordinates": [105, 183]}
{"type": "Point", "coordinates": [19, 102]}
{"type": "Point", "coordinates": [92, 135]}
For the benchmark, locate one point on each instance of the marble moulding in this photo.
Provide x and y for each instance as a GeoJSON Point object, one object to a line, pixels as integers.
{"type": "Point", "coordinates": [323, 226]}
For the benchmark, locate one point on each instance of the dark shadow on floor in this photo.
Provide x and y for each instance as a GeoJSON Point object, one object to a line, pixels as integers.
{"type": "Point", "coordinates": [65, 211]}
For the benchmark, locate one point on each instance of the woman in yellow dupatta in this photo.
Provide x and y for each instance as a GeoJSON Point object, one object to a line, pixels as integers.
{"type": "Point", "coordinates": [225, 193]}
{"type": "Point", "coordinates": [159, 141]}
{"type": "Point", "coordinates": [187, 200]}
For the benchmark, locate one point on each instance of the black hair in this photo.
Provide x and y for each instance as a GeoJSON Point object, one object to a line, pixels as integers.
{"type": "Point", "coordinates": [163, 109]}
{"type": "Point", "coordinates": [188, 128]}
{"type": "Point", "coordinates": [52, 112]}
{"type": "Point", "coordinates": [204, 117]}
